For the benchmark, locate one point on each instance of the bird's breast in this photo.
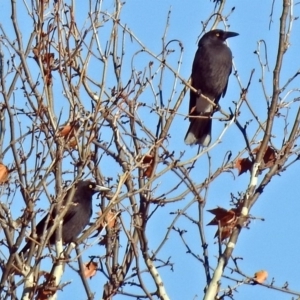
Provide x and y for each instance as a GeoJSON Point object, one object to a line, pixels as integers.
{"type": "Point", "coordinates": [211, 69]}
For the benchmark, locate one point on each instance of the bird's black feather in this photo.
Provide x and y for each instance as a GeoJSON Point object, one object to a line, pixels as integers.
{"type": "Point", "coordinates": [210, 72]}
{"type": "Point", "coordinates": [77, 216]}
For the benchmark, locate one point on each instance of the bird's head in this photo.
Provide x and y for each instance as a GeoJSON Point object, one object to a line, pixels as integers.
{"type": "Point", "coordinates": [217, 35]}
{"type": "Point", "coordinates": [91, 187]}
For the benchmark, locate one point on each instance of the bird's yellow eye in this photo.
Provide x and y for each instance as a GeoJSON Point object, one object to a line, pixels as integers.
{"type": "Point", "coordinates": [90, 186]}
{"type": "Point", "coordinates": [217, 34]}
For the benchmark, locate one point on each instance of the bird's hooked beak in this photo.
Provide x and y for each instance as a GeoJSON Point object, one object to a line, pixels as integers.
{"type": "Point", "coordinates": [100, 188]}
{"type": "Point", "coordinates": [229, 34]}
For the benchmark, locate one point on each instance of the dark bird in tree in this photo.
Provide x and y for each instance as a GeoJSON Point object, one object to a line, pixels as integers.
{"type": "Point", "coordinates": [77, 216]}
{"type": "Point", "coordinates": [211, 69]}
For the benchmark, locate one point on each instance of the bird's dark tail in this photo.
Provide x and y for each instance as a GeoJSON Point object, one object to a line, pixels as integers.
{"type": "Point", "coordinates": [199, 132]}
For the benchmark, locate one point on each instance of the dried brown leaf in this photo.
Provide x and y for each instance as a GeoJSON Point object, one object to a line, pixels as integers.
{"type": "Point", "coordinates": [269, 157]}
{"type": "Point", "coordinates": [90, 269]}
{"type": "Point", "coordinates": [3, 173]}
{"type": "Point", "coordinates": [148, 160]}
{"type": "Point", "coordinates": [225, 219]}
{"type": "Point", "coordinates": [69, 130]}
{"type": "Point", "coordinates": [260, 276]}
{"type": "Point", "coordinates": [109, 220]}
{"type": "Point", "coordinates": [243, 165]}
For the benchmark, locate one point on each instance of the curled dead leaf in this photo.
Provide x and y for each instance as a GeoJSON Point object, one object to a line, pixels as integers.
{"type": "Point", "coordinates": [260, 276]}
{"type": "Point", "coordinates": [3, 173]}
{"type": "Point", "coordinates": [48, 59]}
{"type": "Point", "coordinates": [64, 131]}
{"type": "Point", "coordinates": [90, 269]}
{"type": "Point", "coordinates": [69, 130]}
{"type": "Point", "coordinates": [148, 161]}
{"type": "Point", "coordinates": [43, 294]}
{"type": "Point", "coordinates": [269, 157]}
{"type": "Point", "coordinates": [70, 134]}
{"type": "Point", "coordinates": [243, 165]}
{"type": "Point", "coordinates": [225, 220]}
{"type": "Point", "coordinates": [109, 220]}
{"type": "Point", "coordinates": [222, 216]}
{"type": "Point", "coordinates": [46, 289]}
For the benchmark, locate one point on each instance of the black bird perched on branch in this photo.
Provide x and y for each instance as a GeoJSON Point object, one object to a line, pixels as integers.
{"type": "Point", "coordinates": [211, 68]}
{"type": "Point", "coordinates": [77, 216]}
